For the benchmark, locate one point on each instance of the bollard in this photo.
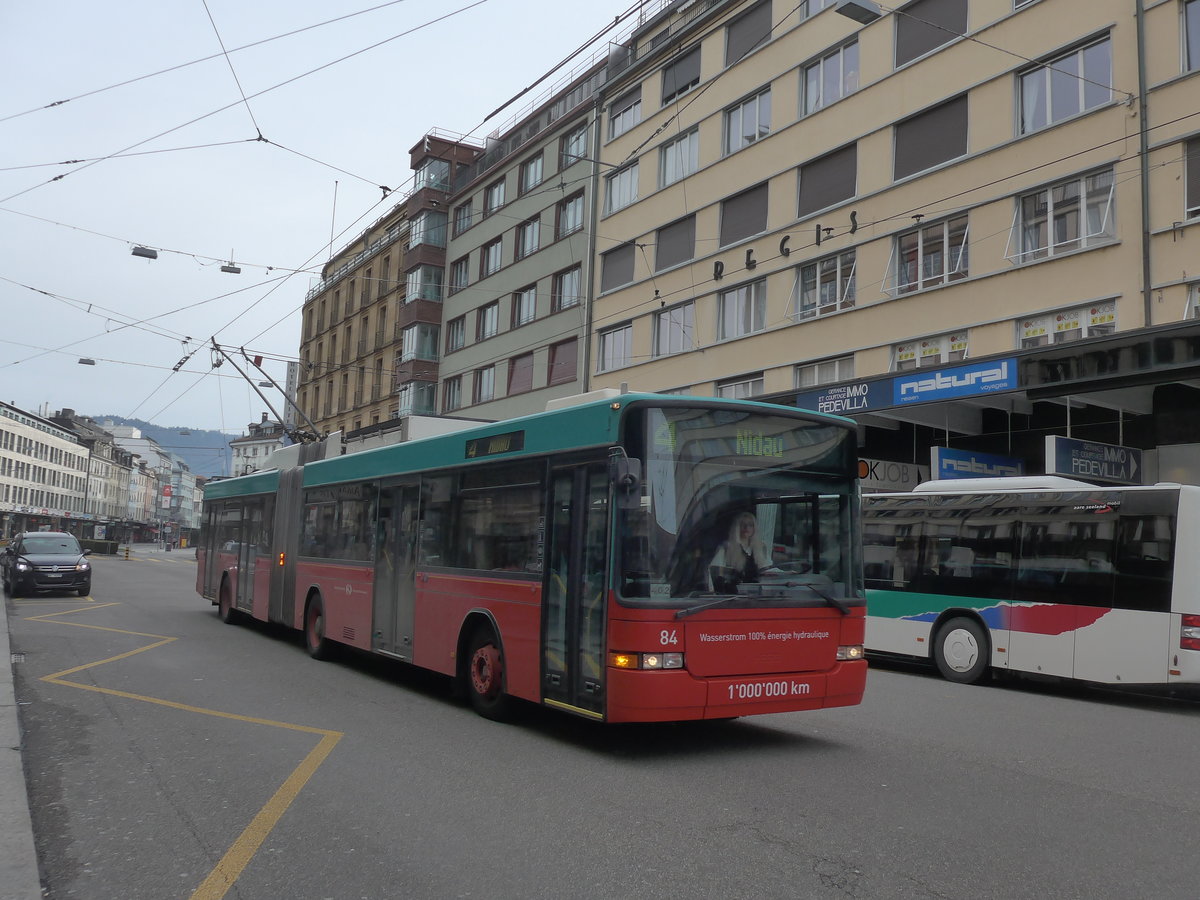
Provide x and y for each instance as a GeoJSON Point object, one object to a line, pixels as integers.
{"type": "Point", "coordinates": [127, 552]}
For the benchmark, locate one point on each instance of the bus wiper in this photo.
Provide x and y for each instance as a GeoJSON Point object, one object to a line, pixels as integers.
{"type": "Point", "coordinates": [679, 614]}
{"type": "Point", "coordinates": [828, 598]}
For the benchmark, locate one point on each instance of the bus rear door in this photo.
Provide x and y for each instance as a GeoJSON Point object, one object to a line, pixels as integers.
{"type": "Point", "coordinates": [395, 562]}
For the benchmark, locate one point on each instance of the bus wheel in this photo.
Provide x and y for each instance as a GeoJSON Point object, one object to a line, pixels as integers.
{"type": "Point", "coordinates": [225, 605]}
{"type": "Point", "coordinates": [319, 646]}
{"type": "Point", "coordinates": [485, 677]}
{"type": "Point", "coordinates": [961, 651]}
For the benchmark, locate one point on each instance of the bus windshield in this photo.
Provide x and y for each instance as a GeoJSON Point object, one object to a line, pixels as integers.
{"type": "Point", "coordinates": [739, 503]}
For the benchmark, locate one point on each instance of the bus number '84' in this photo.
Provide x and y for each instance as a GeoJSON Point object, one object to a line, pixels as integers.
{"type": "Point", "coordinates": [668, 636]}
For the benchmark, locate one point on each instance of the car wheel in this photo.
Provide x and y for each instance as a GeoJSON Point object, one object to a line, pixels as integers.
{"type": "Point", "coordinates": [85, 590]}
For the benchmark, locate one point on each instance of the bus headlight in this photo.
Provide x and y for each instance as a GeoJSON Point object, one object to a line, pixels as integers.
{"type": "Point", "coordinates": [850, 652]}
{"type": "Point", "coordinates": [646, 660]}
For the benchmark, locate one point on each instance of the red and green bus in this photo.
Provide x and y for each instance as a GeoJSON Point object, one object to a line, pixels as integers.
{"type": "Point", "coordinates": [566, 558]}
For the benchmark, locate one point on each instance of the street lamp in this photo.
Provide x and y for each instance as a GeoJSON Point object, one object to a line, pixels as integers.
{"type": "Point", "coordinates": [862, 11]}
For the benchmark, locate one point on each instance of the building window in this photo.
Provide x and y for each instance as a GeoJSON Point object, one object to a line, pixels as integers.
{"type": "Point", "coordinates": [569, 214]}
{"type": "Point", "coordinates": [616, 267]}
{"type": "Point", "coordinates": [524, 306]}
{"type": "Point", "coordinates": [827, 371]}
{"type": "Point", "coordinates": [1193, 301]}
{"type": "Point", "coordinates": [927, 24]}
{"type": "Point", "coordinates": [1072, 325]}
{"type": "Point", "coordinates": [681, 76]}
{"type": "Point", "coordinates": [742, 310]}
{"type": "Point", "coordinates": [625, 112]}
{"type": "Point", "coordinates": [566, 289]}
{"type": "Point", "coordinates": [424, 283]}
{"type": "Point", "coordinates": [487, 320]}
{"type": "Point", "coordinates": [573, 147]}
{"type": "Point", "coordinates": [462, 218]}
{"type": "Point", "coordinates": [679, 158]}
{"type": "Point", "coordinates": [417, 398]}
{"type": "Point", "coordinates": [744, 215]}
{"type": "Point", "coordinates": [460, 274]}
{"type": "Point", "coordinates": [456, 334]}
{"type": "Point", "coordinates": [932, 351]}
{"type": "Point", "coordinates": [825, 286]}
{"type": "Point", "coordinates": [419, 341]}
{"type": "Point", "coordinates": [831, 179]}
{"type": "Point", "coordinates": [747, 122]}
{"type": "Point", "coordinates": [1191, 35]}
{"type": "Point", "coordinates": [674, 329]}
{"type": "Point", "coordinates": [433, 173]}
{"type": "Point", "coordinates": [812, 7]}
{"type": "Point", "coordinates": [742, 387]}
{"type": "Point", "coordinates": [616, 348]}
{"type": "Point", "coordinates": [564, 361]}
{"type": "Point", "coordinates": [747, 32]}
{"type": "Point", "coordinates": [1066, 86]}
{"type": "Point", "coordinates": [531, 174]}
{"type": "Point", "coordinates": [830, 78]}
{"type": "Point", "coordinates": [1192, 175]}
{"type": "Point", "coordinates": [675, 243]}
{"type": "Point", "coordinates": [489, 257]}
{"type": "Point", "coordinates": [452, 394]}
{"type": "Point", "coordinates": [1067, 216]}
{"type": "Point", "coordinates": [493, 197]}
{"type": "Point", "coordinates": [484, 388]}
{"type": "Point", "coordinates": [429, 227]}
{"type": "Point", "coordinates": [931, 255]}
{"type": "Point", "coordinates": [520, 374]}
{"type": "Point", "coordinates": [932, 137]}
{"type": "Point", "coordinates": [528, 236]}
{"type": "Point", "coordinates": [621, 188]}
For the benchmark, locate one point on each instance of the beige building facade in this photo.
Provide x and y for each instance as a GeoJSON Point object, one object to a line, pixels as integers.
{"type": "Point", "coordinates": [1003, 195]}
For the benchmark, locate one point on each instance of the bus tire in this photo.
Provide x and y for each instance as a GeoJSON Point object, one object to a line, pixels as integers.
{"type": "Point", "coordinates": [319, 646]}
{"type": "Point", "coordinates": [225, 608]}
{"type": "Point", "coordinates": [962, 651]}
{"type": "Point", "coordinates": [485, 676]}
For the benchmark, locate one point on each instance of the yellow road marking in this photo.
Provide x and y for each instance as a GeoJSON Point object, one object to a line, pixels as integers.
{"type": "Point", "coordinates": [230, 867]}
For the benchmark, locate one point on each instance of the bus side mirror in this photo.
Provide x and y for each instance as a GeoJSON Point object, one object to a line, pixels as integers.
{"type": "Point", "coordinates": [627, 480]}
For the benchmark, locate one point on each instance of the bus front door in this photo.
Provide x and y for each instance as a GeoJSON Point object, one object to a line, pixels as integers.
{"type": "Point", "coordinates": [395, 562]}
{"type": "Point", "coordinates": [573, 611]}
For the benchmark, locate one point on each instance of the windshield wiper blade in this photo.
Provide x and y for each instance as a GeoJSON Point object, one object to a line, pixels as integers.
{"type": "Point", "coordinates": [833, 601]}
{"type": "Point", "coordinates": [679, 614]}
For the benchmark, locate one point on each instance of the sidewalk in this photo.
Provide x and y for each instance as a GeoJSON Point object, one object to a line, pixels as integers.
{"type": "Point", "coordinates": [18, 859]}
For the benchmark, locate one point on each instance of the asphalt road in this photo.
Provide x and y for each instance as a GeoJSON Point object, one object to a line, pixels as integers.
{"type": "Point", "coordinates": [172, 756]}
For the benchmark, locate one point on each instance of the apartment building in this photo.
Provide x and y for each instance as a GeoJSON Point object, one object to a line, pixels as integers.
{"type": "Point", "coordinates": [519, 259]}
{"type": "Point", "coordinates": [972, 225]}
{"type": "Point", "coordinates": [350, 329]}
{"type": "Point", "coordinates": [43, 474]}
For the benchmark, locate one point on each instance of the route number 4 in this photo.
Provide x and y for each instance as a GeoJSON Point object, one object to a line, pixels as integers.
{"type": "Point", "coordinates": [668, 637]}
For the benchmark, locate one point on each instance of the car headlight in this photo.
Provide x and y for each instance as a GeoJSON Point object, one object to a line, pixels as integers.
{"type": "Point", "coordinates": [82, 566]}
{"type": "Point", "coordinates": [23, 566]}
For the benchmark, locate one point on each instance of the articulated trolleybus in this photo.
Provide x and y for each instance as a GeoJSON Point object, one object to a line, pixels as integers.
{"type": "Point", "coordinates": [1040, 575]}
{"type": "Point", "coordinates": [567, 558]}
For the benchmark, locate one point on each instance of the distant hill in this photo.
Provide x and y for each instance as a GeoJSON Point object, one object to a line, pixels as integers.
{"type": "Point", "coordinates": [205, 452]}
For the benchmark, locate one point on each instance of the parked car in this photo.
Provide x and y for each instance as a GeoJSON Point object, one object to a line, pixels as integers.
{"type": "Point", "coordinates": [45, 561]}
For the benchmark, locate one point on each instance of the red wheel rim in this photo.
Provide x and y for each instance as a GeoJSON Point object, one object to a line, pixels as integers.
{"type": "Point", "coordinates": [485, 671]}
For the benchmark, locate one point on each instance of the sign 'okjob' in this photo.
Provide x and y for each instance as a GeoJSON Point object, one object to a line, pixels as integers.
{"type": "Point", "coordinates": [963, 381]}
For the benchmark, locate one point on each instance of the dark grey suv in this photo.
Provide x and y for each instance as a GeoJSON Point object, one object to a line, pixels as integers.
{"type": "Point", "coordinates": [46, 561]}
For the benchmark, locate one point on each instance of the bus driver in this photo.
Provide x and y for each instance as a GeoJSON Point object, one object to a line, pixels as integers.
{"type": "Point", "coordinates": [741, 557]}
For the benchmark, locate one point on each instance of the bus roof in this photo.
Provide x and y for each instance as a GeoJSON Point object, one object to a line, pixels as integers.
{"type": "Point", "coordinates": [1003, 483]}
{"type": "Point", "coordinates": [590, 424]}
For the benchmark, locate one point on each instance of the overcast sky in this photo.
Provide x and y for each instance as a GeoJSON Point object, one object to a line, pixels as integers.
{"type": "Point", "coordinates": [180, 169]}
